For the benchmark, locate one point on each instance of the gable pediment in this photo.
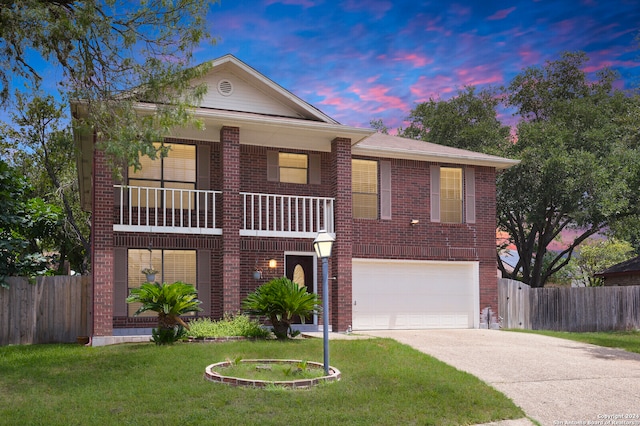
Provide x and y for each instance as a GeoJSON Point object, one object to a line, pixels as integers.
{"type": "Point", "coordinates": [234, 86]}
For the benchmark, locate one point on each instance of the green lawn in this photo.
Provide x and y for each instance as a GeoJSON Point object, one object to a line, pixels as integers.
{"type": "Point", "coordinates": [627, 340]}
{"type": "Point", "coordinates": [383, 383]}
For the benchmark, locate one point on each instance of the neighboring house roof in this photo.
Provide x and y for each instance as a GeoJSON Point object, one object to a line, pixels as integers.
{"type": "Point", "coordinates": [383, 145]}
{"type": "Point", "coordinates": [631, 266]}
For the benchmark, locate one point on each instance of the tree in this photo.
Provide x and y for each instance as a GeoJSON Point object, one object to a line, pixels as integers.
{"type": "Point", "coordinates": [113, 55]}
{"type": "Point", "coordinates": [24, 223]}
{"type": "Point", "coordinates": [45, 154]}
{"type": "Point", "coordinates": [578, 170]}
{"type": "Point", "coordinates": [596, 256]}
{"type": "Point", "coordinates": [579, 145]}
{"type": "Point", "coordinates": [169, 301]}
{"type": "Point", "coordinates": [468, 121]}
{"type": "Point", "coordinates": [379, 126]}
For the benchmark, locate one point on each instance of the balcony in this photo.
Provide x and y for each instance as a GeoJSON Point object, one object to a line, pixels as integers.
{"type": "Point", "coordinates": [167, 210]}
{"type": "Point", "coordinates": [190, 211]}
{"type": "Point", "coordinates": [272, 215]}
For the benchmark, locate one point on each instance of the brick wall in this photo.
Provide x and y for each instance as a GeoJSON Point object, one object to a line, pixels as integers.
{"type": "Point", "coordinates": [102, 246]}
{"type": "Point", "coordinates": [410, 199]}
{"type": "Point", "coordinates": [230, 156]}
{"type": "Point", "coordinates": [340, 307]}
{"type": "Point", "coordinates": [233, 257]}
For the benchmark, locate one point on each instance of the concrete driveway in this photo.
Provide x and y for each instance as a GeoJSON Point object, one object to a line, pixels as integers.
{"type": "Point", "coordinates": [555, 381]}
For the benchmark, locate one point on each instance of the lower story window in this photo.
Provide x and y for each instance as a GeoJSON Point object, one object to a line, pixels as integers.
{"type": "Point", "coordinates": [173, 265]}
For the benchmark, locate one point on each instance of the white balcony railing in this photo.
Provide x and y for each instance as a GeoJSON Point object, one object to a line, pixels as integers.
{"type": "Point", "coordinates": [273, 215]}
{"type": "Point", "coordinates": [167, 210]}
{"type": "Point", "coordinates": [191, 211]}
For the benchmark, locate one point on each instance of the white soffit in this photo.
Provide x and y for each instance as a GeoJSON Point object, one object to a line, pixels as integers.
{"type": "Point", "coordinates": [388, 146]}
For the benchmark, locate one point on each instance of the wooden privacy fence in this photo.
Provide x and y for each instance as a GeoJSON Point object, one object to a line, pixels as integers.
{"type": "Point", "coordinates": [513, 304]}
{"type": "Point", "coordinates": [568, 309]}
{"type": "Point", "coordinates": [54, 310]}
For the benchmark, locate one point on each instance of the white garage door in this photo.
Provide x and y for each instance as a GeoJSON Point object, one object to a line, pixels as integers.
{"type": "Point", "coordinates": [397, 294]}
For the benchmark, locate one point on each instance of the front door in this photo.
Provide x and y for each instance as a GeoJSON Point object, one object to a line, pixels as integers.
{"type": "Point", "coordinates": [299, 268]}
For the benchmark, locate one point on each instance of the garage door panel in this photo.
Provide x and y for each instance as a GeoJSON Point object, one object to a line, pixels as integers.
{"type": "Point", "coordinates": [414, 295]}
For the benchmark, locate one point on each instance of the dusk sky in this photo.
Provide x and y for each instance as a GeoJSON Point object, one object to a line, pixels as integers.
{"type": "Point", "coordinates": [359, 60]}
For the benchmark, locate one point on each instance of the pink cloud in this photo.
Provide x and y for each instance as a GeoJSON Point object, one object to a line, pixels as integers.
{"type": "Point", "coordinates": [377, 98]}
{"type": "Point", "coordinates": [418, 61]}
{"type": "Point", "coordinates": [431, 87]}
{"type": "Point", "coordinates": [565, 26]}
{"type": "Point", "coordinates": [478, 75]}
{"type": "Point", "coordinates": [461, 10]}
{"type": "Point", "coordinates": [501, 14]}
{"type": "Point", "coordinates": [529, 57]}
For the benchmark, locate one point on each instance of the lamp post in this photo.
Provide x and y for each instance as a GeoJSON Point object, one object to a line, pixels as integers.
{"type": "Point", "coordinates": [323, 244]}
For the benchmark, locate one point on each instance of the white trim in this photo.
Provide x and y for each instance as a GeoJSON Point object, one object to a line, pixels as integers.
{"type": "Point", "coordinates": [470, 160]}
{"type": "Point", "coordinates": [167, 230]}
{"type": "Point", "coordinates": [283, 234]}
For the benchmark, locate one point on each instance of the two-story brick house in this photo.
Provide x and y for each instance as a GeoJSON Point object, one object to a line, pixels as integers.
{"type": "Point", "coordinates": [414, 222]}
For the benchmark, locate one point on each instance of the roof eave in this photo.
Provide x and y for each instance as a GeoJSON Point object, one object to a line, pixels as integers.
{"type": "Point", "coordinates": [238, 119]}
{"type": "Point", "coordinates": [496, 162]}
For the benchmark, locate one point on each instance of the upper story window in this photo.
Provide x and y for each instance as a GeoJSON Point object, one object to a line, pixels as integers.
{"type": "Point", "coordinates": [289, 167]}
{"type": "Point", "coordinates": [293, 167]}
{"type": "Point", "coordinates": [175, 171]}
{"type": "Point", "coordinates": [453, 194]}
{"type": "Point", "coordinates": [450, 195]}
{"type": "Point", "coordinates": [364, 187]}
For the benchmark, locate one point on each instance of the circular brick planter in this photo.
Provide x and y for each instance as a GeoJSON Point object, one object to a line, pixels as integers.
{"type": "Point", "coordinates": [212, 373]}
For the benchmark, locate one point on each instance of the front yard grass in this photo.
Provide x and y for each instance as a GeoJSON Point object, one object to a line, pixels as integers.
{"type": "Point", "coordinates": [383, 383]}
{"type": "Point", "coordinates": [627, 340]}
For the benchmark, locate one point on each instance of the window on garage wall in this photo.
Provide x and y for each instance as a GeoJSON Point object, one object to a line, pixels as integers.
{"type": "Point", "coordinates": [364, 187]}
{"type": "Point", "coordinates": [176, 171]}
{"type": "Point", "coordinates": [174, 265]}
{"type": "Point", "coordinates": [453, 194]}
{"type": "Point", "coordinates": [450, 195]}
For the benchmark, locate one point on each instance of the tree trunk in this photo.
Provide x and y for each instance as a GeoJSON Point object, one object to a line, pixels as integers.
{"type": "Point", "coordinates": [281, 329]}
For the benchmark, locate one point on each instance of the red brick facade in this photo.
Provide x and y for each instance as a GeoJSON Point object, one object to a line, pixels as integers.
{"type": "Point", "coordinates": [237, 157]}
{"type": "Point", "coordinates": [239, 168]}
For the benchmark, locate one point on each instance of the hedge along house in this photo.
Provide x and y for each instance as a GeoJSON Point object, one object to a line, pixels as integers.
{"type": "Point", "coordinates": [414, 222]}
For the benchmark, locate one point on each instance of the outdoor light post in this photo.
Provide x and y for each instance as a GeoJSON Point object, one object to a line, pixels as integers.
{"type": "Point", "coordinates": [323, 244]}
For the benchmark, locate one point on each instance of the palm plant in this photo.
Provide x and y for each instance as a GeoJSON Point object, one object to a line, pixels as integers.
{"type": "Point", "coordinates": [169, 301]}
{"type": "Point", "coordinates": [281, 300]}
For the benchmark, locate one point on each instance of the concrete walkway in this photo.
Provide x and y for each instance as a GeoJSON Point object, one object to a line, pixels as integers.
{"type": "Point", "coordinates": [555, 381]}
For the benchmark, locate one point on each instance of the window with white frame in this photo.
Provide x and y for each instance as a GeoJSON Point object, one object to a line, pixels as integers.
{"type": "Point", "coordinates": [364, 187]}
{"type": "Point", "coordinates": [450, 195]}
{"type": "Point", "coordinates": [173, 265]}
{"type": "Point", "coordinates": [293, 168]}
{"type": "Point", "coordinates": [177, 171]}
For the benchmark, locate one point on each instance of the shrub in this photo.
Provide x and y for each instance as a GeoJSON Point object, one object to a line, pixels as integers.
{"type": "Point", "coordinates": [169, 301]}
{"type": "Point", "coordinates": [281, 300]}
{"type": "Point", "coordinates": [230, 325]}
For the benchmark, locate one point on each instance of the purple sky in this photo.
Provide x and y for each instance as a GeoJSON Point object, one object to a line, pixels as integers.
{"type": "Point", "coordinates": [359, 60]}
